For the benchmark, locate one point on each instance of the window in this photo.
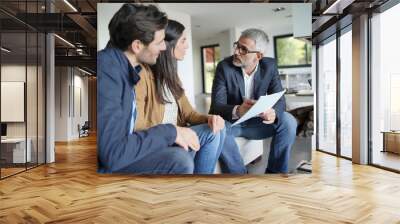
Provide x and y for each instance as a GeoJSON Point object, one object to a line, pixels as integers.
{"type": "Point", "coordinates": [210, 56]}
{"type": "Point", "coordinates": [335, 76]}
{"type": "Point", "coordinates": [292, 52]}
{"type": "Point", "coordinates": [385, 89]}
{"type": "Point", "coordinates": [22, 77]}
{"type": "Point", "coordinates": [327, 96]}
{"type": "Point", "coordinates": [346, 93]}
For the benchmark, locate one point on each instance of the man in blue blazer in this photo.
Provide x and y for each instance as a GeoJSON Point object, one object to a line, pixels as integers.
{"type": "Point", "coordinates": [239, 81]}
{"type": "Point", "coordinates": [136, 37]}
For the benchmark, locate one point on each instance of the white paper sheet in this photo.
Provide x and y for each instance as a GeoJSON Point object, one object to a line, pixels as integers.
{"type": "Point", "coordinates": [262, 104]}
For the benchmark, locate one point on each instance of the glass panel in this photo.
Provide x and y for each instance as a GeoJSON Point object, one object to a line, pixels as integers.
{"type": "Point", "coordinates": [291, 51]}
{"type": "Point", "coordinates": [346, 94]}
{"type": "Point", "coordinates": [31, 98]}
{"type": "Point", "coordinates": [41, 98]}
{"type": "Point", "coordinates": [211, 57]}
{"type": "Point", "coordinates": [13, 88]}
{"type": "Point", "coordinates": [385, 84]}
{"type": "Point", "coordinates": [327, 97]}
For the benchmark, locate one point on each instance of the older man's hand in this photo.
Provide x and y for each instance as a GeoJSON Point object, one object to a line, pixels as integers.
{"type": "Point", "coordinates": [216, 123]}
{"type": "Point", "coordinates": [268, 116]}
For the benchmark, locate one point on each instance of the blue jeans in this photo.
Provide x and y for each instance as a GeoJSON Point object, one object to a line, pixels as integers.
{"type": "Point", "coordinates": [283, 134]}
{"type": "Point", "coordinates": [169, 160]}
{"type": "Point", "coordinates": [210, 149]}
{"type": "Point", "coordinates": [175, 160]}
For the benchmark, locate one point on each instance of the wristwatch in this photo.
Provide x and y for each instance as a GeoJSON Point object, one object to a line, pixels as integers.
{"type": "Point", "coordinates": [237, 112]}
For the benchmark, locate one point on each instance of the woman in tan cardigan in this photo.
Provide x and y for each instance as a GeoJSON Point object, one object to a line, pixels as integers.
{"type": "Point", "coordinates": [161, 99]}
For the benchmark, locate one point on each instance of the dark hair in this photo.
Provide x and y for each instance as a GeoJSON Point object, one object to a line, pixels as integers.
{"type": "Point", "coordinates": [165, 70]}
{"type": "Point", "coordinates": [135, 22]}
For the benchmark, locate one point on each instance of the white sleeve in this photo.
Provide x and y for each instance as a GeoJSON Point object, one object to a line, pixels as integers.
{"type": "Point", "coordinates": [234, 113]}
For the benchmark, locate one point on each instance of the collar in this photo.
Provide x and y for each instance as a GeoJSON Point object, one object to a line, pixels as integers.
{"type": "Point", "coordinates": [252, 74]}
{"type": "Point", "coordinates": [133, 71]}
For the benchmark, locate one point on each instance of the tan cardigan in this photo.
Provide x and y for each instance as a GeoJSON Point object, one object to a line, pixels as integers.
{"type": "Point", "coordinates": [150, 112]}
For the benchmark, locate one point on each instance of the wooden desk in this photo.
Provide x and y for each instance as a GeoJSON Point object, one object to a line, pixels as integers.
{"type": "Point", "coordinates": [391, 141]}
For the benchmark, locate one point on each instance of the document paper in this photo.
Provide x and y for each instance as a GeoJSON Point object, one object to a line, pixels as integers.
{"type": "Point", "coordinates": [262, 104]}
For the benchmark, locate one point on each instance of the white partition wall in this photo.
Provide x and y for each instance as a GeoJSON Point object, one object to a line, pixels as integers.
{"type": "Point", "coordinates": [12, 98]}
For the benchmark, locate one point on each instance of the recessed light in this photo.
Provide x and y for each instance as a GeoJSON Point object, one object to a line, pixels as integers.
{"type": "Point", "coordinates": [5, 49]}
{"type": "Point", "coordinates": [64, 40]}
{"type": "Point", "coordinates": [70, 5]}
{"type": "Point", "coordinates": [278, 9]}
{"type": "Point", "coordinates": [84, 71]}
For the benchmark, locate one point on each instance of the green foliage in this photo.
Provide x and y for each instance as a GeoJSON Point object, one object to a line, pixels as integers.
{"type": "Point", "coordinates": [292, 51]}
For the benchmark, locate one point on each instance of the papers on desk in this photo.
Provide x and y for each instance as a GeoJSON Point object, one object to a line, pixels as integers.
{"type": "Point", "coordinates": [262, 104]}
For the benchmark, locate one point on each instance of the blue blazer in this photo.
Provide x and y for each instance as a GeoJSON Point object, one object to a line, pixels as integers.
{"type": "Point", "coordinates": [228, 86]}
{"type": "Point", "coordinates": [116, 147]}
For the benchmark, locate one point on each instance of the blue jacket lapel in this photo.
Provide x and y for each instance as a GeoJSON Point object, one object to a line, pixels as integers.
{"type": "Point", "coordinates": [240, 80]}
{"type": "Point", "coordinates": [256, 83]}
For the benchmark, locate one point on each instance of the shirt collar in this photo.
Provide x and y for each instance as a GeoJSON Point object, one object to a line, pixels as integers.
{"type": "Point", "coordinates": [252, 74]}
{"type": "Point", "coordinates": [134, 72]}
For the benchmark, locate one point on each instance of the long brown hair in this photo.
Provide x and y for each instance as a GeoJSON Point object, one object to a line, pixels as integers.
{"type": "Point", "coordinates": [165, 70]}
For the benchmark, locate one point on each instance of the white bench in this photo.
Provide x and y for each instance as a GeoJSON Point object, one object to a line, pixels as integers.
{"type": "Point", "coordinates": [249, 149]}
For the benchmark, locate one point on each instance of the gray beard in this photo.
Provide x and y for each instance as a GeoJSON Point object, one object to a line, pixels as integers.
{"type": "Point", "coordinates": [240, 64]}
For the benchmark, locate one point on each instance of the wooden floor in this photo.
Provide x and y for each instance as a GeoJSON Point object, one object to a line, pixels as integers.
{"type": "Point", "coordinates": [70, 191]}
{"type": "Point", "coordinates": [387, 159]}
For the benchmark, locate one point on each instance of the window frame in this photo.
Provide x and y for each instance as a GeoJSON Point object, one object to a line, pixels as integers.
{"type": "Point", "coordinates": [202, 65]}
{"type": "Point", "coordinates": [276, 53]}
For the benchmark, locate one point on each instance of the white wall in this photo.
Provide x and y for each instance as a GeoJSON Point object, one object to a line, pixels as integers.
{"type": "Point", "coordinates": [17, 73]}
{"type": "Point", "coordinates": [225, 47]}
{"type": "Point", "coordinates": [185, 67]}
{"type": "Point", "coordinates": [105, 11]}
{"type": "Point", "coordinates": [33, 126]}
{"type": "Point", "coordinates": [61, 103]}
{"type": "Point", "coordinates": [68, 81]}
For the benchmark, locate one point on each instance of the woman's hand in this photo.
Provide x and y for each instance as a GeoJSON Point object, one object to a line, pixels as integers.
{"type": "Point", "coordinates": [187, 138]}
{"type": "Point", "coordinates": [216, 123]}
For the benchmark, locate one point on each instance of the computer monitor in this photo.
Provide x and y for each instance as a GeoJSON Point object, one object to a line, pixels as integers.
{"type": "Point", "coordinates": [3, 129]}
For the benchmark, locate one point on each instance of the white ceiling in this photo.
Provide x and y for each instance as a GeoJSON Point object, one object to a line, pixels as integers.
{"type": "Point", "coordinates": [210, 19]}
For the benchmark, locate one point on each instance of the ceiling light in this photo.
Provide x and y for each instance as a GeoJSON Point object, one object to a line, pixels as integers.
{"type": "Point", "coordinates": [278, 9]}
{"type": "Point", "coordinates": [84, 71]}
{"type": "Point", "coordinates": [64, 40]}
{"type": "Point", "coordinates": [338, 6]}
{"type": "Point", "coordinates": [5, 50]}
{"type": "Point", "coordinates": [70, 5]}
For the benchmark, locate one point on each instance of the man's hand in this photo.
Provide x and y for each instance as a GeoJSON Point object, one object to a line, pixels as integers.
{"type": "Point", "coordinates": [245, 106]}
{"type": "Point", "coordinates": [187, 138]}
{"type": "Point", "coordinates": [216, 123]}
{"type": "Point", "coordinates": [268, 116]}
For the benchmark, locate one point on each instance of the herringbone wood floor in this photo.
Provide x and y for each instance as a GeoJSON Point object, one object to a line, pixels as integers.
{"type": "Point", "coordinates": [70, 191]}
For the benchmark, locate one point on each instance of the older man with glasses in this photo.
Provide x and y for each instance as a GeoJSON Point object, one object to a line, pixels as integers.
{"type": "Point", "coordinates": [239, 81]}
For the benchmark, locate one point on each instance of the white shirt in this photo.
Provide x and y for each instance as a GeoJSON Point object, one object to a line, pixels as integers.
{"type": "Point", "coordinates": [171, 109]}
{"type": "Point", "coordinates": [248, 89]}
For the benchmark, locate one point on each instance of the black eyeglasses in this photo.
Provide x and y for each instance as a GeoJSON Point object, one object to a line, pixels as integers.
{"type": "Point", "coordinates": [242, 49]}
